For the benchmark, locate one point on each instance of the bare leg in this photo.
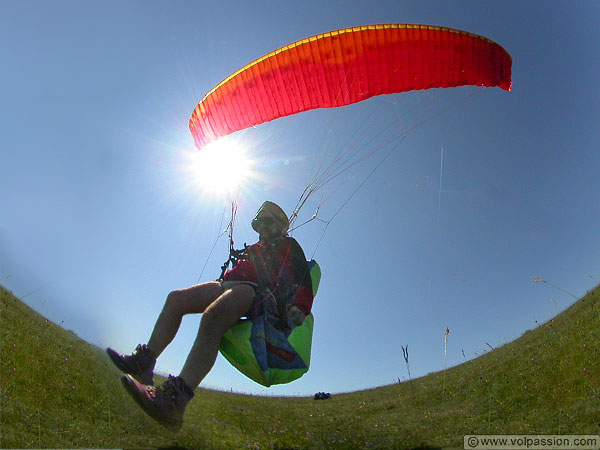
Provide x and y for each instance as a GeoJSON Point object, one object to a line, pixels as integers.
{"type": "Point", "coordinates": [195, 299]}
{"type": "Point", "coordinates": [218, 317]}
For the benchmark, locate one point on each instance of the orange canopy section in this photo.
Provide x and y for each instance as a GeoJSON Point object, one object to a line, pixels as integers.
{"type": "Point", "coordinates": [346, 66]}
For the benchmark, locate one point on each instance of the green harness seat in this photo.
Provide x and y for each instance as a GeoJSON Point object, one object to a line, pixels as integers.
{"type": "Point", "coordinates": [261, 350]}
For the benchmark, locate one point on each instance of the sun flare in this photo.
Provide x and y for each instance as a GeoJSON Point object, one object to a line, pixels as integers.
{"type": "Point", "coordinates": [220, 168]}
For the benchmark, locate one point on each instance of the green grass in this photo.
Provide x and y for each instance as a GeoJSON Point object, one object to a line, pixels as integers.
{"type": "Point", "coordinates": [58, 391]}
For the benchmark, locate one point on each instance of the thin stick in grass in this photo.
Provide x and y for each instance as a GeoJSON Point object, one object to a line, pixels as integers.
{"type": "Point", "coordinates": [405, 353]}
{"type": "Point", "coordinates": [445, 355]}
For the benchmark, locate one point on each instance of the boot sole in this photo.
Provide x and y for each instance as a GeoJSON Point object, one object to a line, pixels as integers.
{"type": "Point", "coordinates": [131, 386]}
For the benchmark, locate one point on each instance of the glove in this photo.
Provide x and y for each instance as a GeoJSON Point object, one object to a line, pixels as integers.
{"type": "Point", "coordinates": [295, 315]}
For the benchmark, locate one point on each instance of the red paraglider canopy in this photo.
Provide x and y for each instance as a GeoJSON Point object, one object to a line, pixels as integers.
{"type": "Point", "coordinates": [346, 66]}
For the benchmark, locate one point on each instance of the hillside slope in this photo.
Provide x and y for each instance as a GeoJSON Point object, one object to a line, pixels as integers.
{"type": "Point", "coordinates": [58, 391]}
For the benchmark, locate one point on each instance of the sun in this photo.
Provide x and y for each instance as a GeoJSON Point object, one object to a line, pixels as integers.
{"type": "Point", "coordinates": [220, 168]}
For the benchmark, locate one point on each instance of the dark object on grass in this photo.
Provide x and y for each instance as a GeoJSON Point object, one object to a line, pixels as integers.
{"type": "Point", "coordinates": [322, 396]}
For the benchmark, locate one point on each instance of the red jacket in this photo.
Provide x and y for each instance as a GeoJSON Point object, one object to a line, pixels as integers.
{"type": "Point", "coordinates": [268, 264]}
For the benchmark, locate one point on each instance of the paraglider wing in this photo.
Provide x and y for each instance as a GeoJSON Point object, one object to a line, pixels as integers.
{"type": "Point", "coordinates": [346, 66]}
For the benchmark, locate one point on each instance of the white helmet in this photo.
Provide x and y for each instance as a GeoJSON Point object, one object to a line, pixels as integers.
{"type": "Point", "coordinates": [271, 214]}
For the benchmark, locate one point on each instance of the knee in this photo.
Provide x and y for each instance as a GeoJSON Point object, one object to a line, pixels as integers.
{"type": "Point", "coordinates": [173, 302]}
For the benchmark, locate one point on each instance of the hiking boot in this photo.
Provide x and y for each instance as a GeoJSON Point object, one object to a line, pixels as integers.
{"type": "Point", "coordinates": [165, 403]}
{"type": "Point", "coordinates": [140, 364]}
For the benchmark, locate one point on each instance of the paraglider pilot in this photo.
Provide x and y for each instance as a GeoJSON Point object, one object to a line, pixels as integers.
{"type": "Point", "coordinates": [222, 304]}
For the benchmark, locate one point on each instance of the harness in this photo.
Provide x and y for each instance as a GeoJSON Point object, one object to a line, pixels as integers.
{"type": "Point", "coordinates": [234, 257]}
{"type": "Point", "coordinates": [281, 290]}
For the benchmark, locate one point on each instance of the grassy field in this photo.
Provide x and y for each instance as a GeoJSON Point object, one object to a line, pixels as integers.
{"type": "Point", "coordinates": [58, 391]}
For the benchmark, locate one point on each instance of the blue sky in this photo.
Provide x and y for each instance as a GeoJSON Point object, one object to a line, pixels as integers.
{"type": "Point", "coordinates": [99, 219]}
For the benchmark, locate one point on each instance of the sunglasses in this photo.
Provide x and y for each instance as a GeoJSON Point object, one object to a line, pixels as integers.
{"type": "Point", "coordinates": [265, 221]}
